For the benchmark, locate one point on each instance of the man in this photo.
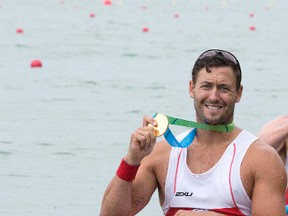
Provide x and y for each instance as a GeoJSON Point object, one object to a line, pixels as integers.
{"type": "Point", "coordinates": [219, 173]}
{"type": "Point", "coordinates": [275, 133]}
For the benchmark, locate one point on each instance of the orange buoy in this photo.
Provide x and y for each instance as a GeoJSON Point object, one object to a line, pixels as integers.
{"type": "Point", "coordinates": [252, 28]}
{"type": "Point", "coordinates": [145, 29]}
{"type": "Point", "coordinates": [19, 30]}
{"type": "Point", "coordinates": [92, 15]}
{"type": "Point", "coordinates": [176, 15]}
{"type": "Point", "coordinates": [251, 15]}
{"type": "Point", "coordinates": [36, 63]}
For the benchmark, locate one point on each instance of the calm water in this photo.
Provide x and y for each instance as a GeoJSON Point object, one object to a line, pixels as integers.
{"type": "Point", "coordinates": [65, 127]}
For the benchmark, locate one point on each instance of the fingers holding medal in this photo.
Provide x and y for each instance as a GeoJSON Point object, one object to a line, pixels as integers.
{"type": "Point", "coordinates": [162, 124]}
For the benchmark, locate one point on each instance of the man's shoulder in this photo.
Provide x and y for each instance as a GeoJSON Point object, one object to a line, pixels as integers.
{"type": "Point", "coordinates": [260, 160]}
{"type": "Point", "coordinates": [261, 154]}
{"type": "Point", "coordinates": [260, 146]}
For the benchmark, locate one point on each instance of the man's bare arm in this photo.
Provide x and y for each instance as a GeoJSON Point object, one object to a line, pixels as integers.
{"type": "Point", "coordinates": [122, 197]}
{"type": "Point", "coordinates": [268, 194]}
{"type": "Point", "coordinates": [275, 132]}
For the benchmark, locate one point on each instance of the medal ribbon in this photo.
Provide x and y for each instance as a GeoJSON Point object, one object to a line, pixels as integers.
{"type": "Point", "coordinates": [188, 139]}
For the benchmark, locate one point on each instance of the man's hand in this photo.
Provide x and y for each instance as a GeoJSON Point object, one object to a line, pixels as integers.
{"type": "Point", "coordinates": [142, 142]}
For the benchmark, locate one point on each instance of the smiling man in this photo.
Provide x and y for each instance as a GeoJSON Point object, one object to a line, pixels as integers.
{"type": "Point", "coordinates": [219, 173]}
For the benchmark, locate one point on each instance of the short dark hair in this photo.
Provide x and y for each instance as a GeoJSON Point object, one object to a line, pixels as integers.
{"type": "Point", "coordinates": [219, 59]}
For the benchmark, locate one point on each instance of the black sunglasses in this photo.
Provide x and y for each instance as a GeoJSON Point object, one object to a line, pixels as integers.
{"type": "Point", "coordinates": [226, 54]}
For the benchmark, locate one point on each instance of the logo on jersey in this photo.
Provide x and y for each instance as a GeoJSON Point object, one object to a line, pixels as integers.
{"type": "Point", "coordinates": [180, 193]}
{"type": "Point", "coordinates": [198, 210]}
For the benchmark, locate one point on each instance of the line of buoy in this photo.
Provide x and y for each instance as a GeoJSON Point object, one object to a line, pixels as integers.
{"type": "Point", "coordinates": [37, 63]}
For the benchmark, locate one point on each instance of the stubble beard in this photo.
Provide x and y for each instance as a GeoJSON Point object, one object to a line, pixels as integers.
{"type": "Point", "coordinates": [224, 118]}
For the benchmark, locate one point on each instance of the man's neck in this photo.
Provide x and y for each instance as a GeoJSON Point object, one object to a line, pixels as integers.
{"type": "Point", "coordinates": [206, 137]}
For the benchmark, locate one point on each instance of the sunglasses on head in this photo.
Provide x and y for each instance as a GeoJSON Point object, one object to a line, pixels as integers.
{"type": "Point", "coordinates": [227, 55]}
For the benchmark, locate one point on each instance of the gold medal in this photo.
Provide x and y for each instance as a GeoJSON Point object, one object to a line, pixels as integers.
{"type": "Point", "coordinates": [162, 124]}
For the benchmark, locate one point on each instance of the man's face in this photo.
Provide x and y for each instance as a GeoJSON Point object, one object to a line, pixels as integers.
{"type": "Point", "coordinates": [215, 95]}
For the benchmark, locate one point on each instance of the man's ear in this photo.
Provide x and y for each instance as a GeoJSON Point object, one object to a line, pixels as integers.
{"type": "Point", "coordinates": [239, 93]}
{"type": "Point", "coordinates": [191, 89]}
